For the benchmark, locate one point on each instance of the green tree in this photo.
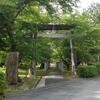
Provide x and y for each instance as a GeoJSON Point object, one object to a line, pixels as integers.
{"type": "Point", "coordinates": [82, 29]}
{"type": "Point", "coordinates": [93, 13]}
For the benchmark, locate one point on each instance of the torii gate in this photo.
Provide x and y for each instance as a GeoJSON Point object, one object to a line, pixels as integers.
{"type": "Point", "coordinates": [57, 27]}
{"type": "Point", "coordinates": [47, 27]}
{"type": "Point", "coordinates": [12, 58]}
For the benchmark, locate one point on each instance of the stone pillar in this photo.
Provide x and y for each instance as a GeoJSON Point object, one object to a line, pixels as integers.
{"type": "Point", "coordinates": [12, 67]}
{"type": "Point", "coordinates": [57, 65]}
{"type": "Point", "coordinates": [61, 66]}
{"type": "Point", "coordinates": [45, 66]}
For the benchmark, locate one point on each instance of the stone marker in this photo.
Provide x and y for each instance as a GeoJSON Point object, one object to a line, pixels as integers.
{"type": "Point", "coordinates": [60, 66]}
{"type": "Point", "coordinates": [46, 66]}
{"type": "Point", "coordinates": [12, 67]}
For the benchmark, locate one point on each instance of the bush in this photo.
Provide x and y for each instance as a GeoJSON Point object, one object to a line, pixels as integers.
{"type": "Point", "coordinates": [98, 67]}
{"type": "Point", "coordinates": [87, 71]}
{"type": "Point", "coordinates": [40, 72]}
{"type": "Point", "coordinates": [19, 79]}
{"type": "Point", "coordinates": [2, 83]}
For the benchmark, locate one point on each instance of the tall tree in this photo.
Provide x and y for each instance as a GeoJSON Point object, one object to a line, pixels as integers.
{"type": "Point", "coordinates": [82, 29]}
{"type": "Point", "coordinates": [93, 13]}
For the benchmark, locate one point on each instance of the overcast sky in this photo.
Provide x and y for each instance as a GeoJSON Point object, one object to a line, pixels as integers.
{"type": "Point", "coordinates": [86, 3]}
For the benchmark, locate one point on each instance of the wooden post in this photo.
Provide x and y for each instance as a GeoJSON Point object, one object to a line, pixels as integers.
{"type": "Point", "coordinates": [12, 68]}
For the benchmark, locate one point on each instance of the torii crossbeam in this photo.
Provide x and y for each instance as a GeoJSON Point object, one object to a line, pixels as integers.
{"type": "Point", "coordinates": [55, 26]}
{"type": "Point", "coordinates": [48, 26]}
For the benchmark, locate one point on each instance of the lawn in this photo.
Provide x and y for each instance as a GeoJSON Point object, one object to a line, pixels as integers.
{"type": "Point", "coordinates": [28, 82]}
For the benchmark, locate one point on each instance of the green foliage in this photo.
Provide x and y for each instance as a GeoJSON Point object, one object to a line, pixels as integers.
{"type": "Point", "coordinates": [12, 12]}
{"type": "Point", "coordinates": [98, 67]}
{"type": "Point", "coordinates": [40, 72]}
{"type": "Point", "coordinates": [66, 52]}
{"type": "Point", "coordinates": [94, 12]}
{"type": "Point", "coordinates": [17, 18]}
{"type": "Point", "coordinates": [6, 18]}
{"type": "Point", "coordinates": [2, 83]}
{"type": "Point", "coordinates": [2, 58]}
{"type": "Point", "coordinates": [40, 51]}
{"type": "Point", "coordinates": [44, 51]}
{"type": "Point", "coordinates": [87, 71]}
{"type": "Point", "coordinates": [25, 63]}
{"type": "Point", "coordinates": [56, 47]}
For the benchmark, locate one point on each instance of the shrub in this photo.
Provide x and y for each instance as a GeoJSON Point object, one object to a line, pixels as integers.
{"type": "Point", "coordinates": [87, 71]}
{"type": "Point", "coordinates": [2, 83]}
{"type": "Point", "coordinates": [98, 67]}
{"type": "Point", "coordinates": [40, 72]}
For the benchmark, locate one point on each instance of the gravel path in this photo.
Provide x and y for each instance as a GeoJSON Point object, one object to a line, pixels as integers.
{"type": "Point", "coordinates": [81, 89]}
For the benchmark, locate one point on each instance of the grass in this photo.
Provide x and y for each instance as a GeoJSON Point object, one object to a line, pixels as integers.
{"type": "Point", "coordinates": [67, 74]}
{"type": "Point", "coordinates": [31, 82]}
{"type": "Point", "coordinates": [22, 73]}
{"type": "Point", "coordinates": [40, 72]}
{"type": "Point", "coordinates": [1, 97]}
{"type": "Point", "coordinates": [28, 83]}
{"type": "Point", "coordinates": [53, 71]}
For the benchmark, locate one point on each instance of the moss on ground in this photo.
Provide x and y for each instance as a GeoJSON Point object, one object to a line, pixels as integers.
{"type": "Point", "coordinates": [28, 83]}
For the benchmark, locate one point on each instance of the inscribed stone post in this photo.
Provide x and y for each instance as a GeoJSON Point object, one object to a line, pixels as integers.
{"type": "Point", "coordinates": [12, 67]}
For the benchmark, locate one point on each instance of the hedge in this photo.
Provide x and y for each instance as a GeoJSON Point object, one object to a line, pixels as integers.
{"type": "Point", "coordinates": [40, 72]}
{"type": "Point", "coordinates": [98, 67]}
{"type": "Point", "coordinates": [2, 83]}
{"type": "Point", "coordinates": [87, 71]}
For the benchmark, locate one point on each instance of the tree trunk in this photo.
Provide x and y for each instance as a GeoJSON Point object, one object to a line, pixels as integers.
{"type": "Point", "coordinates": [76, 59]}
{"type": "Point", "coordinates": [73, 68]}
{"type": "Point", "coordinates": [12, 67]}
{"type": "Point", "coordinates": [11, 42]}
{"type": "Point", "coordinates": [34, 53]}
{"type": "Point", "coordinates": [32, 69]}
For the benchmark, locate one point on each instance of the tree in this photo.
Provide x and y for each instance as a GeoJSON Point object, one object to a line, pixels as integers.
{"type": "Point", "coordinates": [93, 13]}
{"type": "Point", "coordinates": [82, 29]}
{"type": "Point", "coordinates": [12, 12]}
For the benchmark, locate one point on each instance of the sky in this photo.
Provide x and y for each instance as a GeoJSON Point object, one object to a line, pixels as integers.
{"type": "Point", "coordinates": [86, 3]}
